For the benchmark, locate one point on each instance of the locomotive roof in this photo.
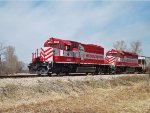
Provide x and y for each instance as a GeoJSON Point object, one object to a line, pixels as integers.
{"type": "Point", "coordinates": [122, 52]}
{"type": "Point", "coordinates": [69, 42]}
{"type": "Point", "coordinates": [94, 45]}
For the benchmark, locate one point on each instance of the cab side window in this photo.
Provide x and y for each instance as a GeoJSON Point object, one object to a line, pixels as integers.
{"type": "Point", "coordinates": [55, 45]}
{"type": "Point", "coordinates": [67, 48]}
{"type": "Point", "coordinates": [74, 44]}
{"type": "Point", "coordinates": [61, 46]}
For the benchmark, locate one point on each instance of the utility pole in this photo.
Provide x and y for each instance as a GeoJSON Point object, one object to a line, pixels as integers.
{"type": "Point", "coordinates": [0, 59]}
{"type": "Point", "coordinates": [0, 65]}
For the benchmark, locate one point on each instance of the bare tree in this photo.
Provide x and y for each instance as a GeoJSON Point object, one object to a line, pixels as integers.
{"type": "Point", "coordinates": [2, 49]}
{"type": "Point", "coordinates": [120, 45]}
{"type": "Point", "coordinates": [12, 62]}
{"type": "Point", "coordinates": [136, 47]}
{"type": "Point", "coordinates": [21, 67]}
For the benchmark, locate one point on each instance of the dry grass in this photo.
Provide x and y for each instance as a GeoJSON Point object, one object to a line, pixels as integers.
{"type": "Point", "coordinates": [119, 95]}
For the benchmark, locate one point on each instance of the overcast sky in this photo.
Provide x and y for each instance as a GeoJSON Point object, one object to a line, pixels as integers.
{"type": "Point", "coordinates": [26, 25]}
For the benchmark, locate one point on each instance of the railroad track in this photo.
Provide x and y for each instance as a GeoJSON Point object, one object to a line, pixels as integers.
{"type": "Point", "coordinates": [22, 76]}
{"type": "Point", "coordinates": [72, 75]}
{"type": "Point", "coordinates": [34, 75]}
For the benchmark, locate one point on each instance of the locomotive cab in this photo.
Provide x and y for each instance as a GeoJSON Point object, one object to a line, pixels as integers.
{"type": "Point", "coordinates": [52, 43]}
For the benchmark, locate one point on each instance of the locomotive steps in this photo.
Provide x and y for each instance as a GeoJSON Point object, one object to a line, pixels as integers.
{"type": "Point", "coordinates": [117, 93]}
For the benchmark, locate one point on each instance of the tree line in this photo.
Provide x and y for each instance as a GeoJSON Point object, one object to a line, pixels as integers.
{"type": "Point", "coordinates": [9, 62]}
{"type": "Point", "coordinates": [135, 46]}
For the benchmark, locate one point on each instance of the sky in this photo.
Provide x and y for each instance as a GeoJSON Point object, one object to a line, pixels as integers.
{"type": "Point", "coordinates": [26, 25]}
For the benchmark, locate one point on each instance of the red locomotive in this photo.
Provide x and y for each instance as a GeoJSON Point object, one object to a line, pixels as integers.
{"type": "Point", "coordinates": [65, 56]}
{"type": "Point", "coordinates": [123, 62]}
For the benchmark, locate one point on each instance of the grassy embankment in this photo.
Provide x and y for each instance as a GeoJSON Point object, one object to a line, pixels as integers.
{"type": "Point", "coordinates": [122, 94]}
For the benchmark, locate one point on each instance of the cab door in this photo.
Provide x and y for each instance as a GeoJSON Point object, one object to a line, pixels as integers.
{"type": "Point", "coordinates": [81, 52]}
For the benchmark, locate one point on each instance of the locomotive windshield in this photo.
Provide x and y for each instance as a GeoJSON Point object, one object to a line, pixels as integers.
{"type": "Point", "coordinates": [112, 54]}
{"type": "Point", "coordinates": [55, 45]}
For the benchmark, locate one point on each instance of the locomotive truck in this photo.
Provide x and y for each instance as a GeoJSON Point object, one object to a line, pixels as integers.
{"type": "Point", "coordinates": [65, 56]}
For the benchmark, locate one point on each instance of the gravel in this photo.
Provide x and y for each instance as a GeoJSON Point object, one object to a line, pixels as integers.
{"type": "Point", "coordinates": [35, 80]}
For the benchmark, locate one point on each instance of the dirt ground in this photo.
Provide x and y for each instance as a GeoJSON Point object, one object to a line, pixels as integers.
{"type": "Point", "coordinates": [123, 94]}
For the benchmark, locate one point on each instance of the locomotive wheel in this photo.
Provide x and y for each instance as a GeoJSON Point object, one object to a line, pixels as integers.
{"type": "Point", "coordinates": [49, 74]}
{"type": "Point", "coordinates": [92, 74]}
{"type": "Point", "coordinates": [67, 74]}
{"type": "Point", "coordinates": [58, 74]}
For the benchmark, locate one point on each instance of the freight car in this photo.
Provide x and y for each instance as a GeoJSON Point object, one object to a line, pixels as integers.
{"type": "Point", "coordinates": [144, 63]}
{"type": "Point", "coordinates": [65, 56]}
